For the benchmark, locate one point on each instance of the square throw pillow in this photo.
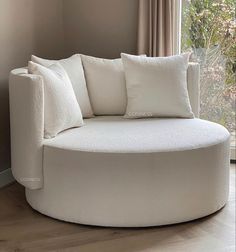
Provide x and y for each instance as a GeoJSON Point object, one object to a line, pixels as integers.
{"type": "Point", "coordinates": [74, 69]}
{"type": "Point", "coordinates": [105, 80]}
{"type": "Point", "coordinates": [157, 86]}
{"type": "Point", "coordinates": [61, 109]}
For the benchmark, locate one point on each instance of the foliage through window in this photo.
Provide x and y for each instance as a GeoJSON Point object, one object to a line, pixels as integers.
{"type": "Point", "coordinates": [209, 31]}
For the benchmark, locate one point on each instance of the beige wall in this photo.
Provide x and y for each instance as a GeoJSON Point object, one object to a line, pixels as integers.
{"type": "Point", "coordinates": [55, 28]}
{"type": "Point", "coordinates": [26, 27]}
{"type": "Point", "coordinates": [102, 28]}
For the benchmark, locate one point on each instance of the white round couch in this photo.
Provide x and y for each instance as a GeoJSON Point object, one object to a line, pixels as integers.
{"type": "Point", "coordinates": [115, 171]}
{"type": "Point", "coordinates": [119, 172]}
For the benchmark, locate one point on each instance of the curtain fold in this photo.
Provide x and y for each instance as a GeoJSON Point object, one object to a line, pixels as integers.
{"type": "Point", "coordinates": [157, 27]}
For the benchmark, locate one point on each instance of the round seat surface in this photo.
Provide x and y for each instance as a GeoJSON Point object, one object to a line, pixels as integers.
{"type": "Point", "coordinates": [115, 134]}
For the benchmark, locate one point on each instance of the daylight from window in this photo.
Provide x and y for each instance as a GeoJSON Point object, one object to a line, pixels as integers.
{"type": "Point", "coordinates": [209, 31]}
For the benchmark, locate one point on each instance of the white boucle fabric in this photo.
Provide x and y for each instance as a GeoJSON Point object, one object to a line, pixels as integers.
{"type": "Point", "coordinates": [193, 79]}
{"type": "Point", "coordinates": [114, 134]}
{"type": "Point", "coordinates": [61, 109]}
{"type": "Point", "coordinates": [135, 189]}
{"type": "Point", "coordinates": [157, 86]}
{"type": "Point", "coordinates": [26, 94]}
{"type": "Point", "coordinates": [73, 67]}
{"type": "Point", "coordinates": [105, 80]}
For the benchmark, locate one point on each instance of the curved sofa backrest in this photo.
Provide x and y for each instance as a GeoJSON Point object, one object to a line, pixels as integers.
{"type": "Point", "coordinates": [26, 116]}
{"type": "Point", "coordinates": [193, 81]}
{"type": "Point", "coordinates": [27, 122]}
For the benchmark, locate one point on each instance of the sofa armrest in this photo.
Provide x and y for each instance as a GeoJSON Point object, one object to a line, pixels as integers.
{"type": "Point", "coordinates": [27, 127]}
{"type": "Point", "coordinates": [193, 80]}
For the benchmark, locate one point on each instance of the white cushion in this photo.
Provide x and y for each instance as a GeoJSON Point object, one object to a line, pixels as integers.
{"type": "Point", "coordinates": [73, 67]}
{"type": "Point", "coordinates": [61, 109]}
{"type": "Point", "coordinates": [106, 84]}
{"type": "Point", "coordinates": [157, 86]}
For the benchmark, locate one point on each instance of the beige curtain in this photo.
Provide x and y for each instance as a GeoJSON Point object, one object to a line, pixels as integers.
{"type": "Point", "coordinates": [157, 27]}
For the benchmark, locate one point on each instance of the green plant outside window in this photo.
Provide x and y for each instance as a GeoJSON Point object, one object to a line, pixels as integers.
{"type": "Point", "coordinates": [209, 31]}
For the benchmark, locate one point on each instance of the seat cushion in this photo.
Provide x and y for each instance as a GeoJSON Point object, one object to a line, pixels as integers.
{"type": "Point", "coordinates": [115, 134]}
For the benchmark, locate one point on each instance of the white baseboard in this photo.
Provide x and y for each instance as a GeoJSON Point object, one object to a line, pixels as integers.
{"type": "Point", "coordinates": [6, 177]}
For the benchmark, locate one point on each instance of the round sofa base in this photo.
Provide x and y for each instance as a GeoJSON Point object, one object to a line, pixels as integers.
{"type": "Point", "coordinates": [75, 221]}
{"type": "Point", "coordinates": [135, 189]}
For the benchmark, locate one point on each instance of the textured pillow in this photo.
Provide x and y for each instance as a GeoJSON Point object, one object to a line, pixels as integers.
{"type": "Point", "coordinates": [61, 109]}
{"type": "Point", "coordinates": [73, 67]}
{"type": "Point", "coordinates": [105, 80]}
{"type": "Point", "coordinates": [157, 86]}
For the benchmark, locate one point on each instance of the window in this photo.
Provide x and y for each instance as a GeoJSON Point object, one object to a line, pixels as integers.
{"type": "Point", "coordinates": [209, 31]}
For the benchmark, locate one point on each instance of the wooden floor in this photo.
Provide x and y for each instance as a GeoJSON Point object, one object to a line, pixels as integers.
{"type": "Point", "coordinates": [23, 229]}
